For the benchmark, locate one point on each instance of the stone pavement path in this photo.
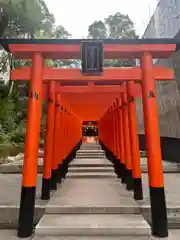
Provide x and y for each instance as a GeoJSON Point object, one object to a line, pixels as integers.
{"type": "Point", "coordinates": [172, 191]}
{"type": "Point", "coordinates": [92, 206]}
{"type": "Point", "coordinates": [97, 199]}
{"type": "Point", "coordinates": [10, 185]}
{"type": "Point", "coordinates": [17, 165]}
{"type": "Point", "coordinates": [11, 235]}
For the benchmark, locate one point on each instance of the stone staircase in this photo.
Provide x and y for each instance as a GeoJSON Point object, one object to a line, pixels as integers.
{"type": "Point", "coordinates": [91, 203]}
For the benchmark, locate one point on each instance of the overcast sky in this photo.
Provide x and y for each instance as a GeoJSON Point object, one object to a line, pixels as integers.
{"type": "Point", "coordinates": [77, 15]}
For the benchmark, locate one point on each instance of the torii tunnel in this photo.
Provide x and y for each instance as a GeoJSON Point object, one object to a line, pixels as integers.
{"type": "Point", "coordinates": [109, 98]}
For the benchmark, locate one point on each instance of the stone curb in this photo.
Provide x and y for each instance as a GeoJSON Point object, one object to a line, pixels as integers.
{"type": "Point", "coordinates": [10, 215]}
{"type": "Point", "coordinates": [17, 168]}
{"type": "Point", "coordinates": [173, 214]}
{"type": "Point", "coordinates": [92, 225]}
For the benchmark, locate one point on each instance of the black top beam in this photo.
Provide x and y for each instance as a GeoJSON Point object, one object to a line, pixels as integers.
{"type": "Point", "coordinates": [5, 42]}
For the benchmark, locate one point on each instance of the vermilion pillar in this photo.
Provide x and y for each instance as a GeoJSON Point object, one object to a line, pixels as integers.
{"type": "Point", "coordinates": [109, 142]}
{"type": "Point", "coordinates": [63, 121]}
{"type": "Point", "coordinates": [155, 170]}
{"type": "Point", "coordinates": [58, 147]}
{"type": "Point", "coordinates": [113, 132]}
{"type": "Point", "coordinates": [28, 193]}
{"type": "Point", "coordinates": [56, 142]}
{"type": "Point", "coordinates": [116, 106]}
{"type": "Point", "coordinates": [104, 132]}
{"type": "Point", "coordinates": [65, 142]}
{"type": "Point", "coordinates": [121, 140]}
{"type": "Point", "coordinates": [117, 154]}
{"type": "Point", "coordinates": [110, 136]}
{"type": "Point", "coordinates": [110, 132]}
{"type": "Point", "coordinates": [134, 142]}
{"type": "Point", "coordinates": [61, 142]}
{"type": "Point", "coordinates": [49, 143]}
{"type": "Point", "coordinates": [127, 147]}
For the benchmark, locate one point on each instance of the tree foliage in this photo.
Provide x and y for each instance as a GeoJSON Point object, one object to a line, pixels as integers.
{"type": "Point", "coordinates": [97, 30]}
{"type": "Point", "coordinates": [117, 26]}
{"type": "Point", "coordinates": [120, 26]}
{"type": "Point", "coordinates": [22, 19]}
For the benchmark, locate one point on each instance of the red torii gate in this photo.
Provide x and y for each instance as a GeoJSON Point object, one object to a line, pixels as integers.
{"type": "Point", "coordinates": [121, 116]}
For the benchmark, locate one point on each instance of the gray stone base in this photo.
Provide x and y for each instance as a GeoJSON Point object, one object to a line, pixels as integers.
{"type": "Point", "coordinates": [92, 225]}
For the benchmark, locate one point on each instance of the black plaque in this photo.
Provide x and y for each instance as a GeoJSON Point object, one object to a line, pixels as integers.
{"type": "Point", "coordinates": [92, 57]}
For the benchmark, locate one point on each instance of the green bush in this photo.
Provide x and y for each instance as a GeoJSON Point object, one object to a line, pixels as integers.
{"type": "Point", "coordinates": [18, 133]}
{"type": "Point", "coordinates": [12, 126]}
{"type": "Point", "coordinates": [5, 149]}
{"type": "Point", "coordinates": [13, 114]}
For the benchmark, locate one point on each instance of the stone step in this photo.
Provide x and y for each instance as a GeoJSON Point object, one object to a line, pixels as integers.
{"type": "Point", "coordinates": [173, 214]}
{"type": "Point", "coordinates": [91, 159]}
{"type": "Point", "coordinates": [90, 145]}
{"type": "Point", "coordinates": [98, 195]}
{"type": "Point", "coordinates": [91, 175]}
{"type": "Point", "coordinates": [90, 155]}
{"type": "Point", "coordinates": [92, 238]}
{"type": "Point", "coordinates": [91, 169]}
{"type": "Point", "coordinates": [10, 213]}
{"type": "Point", "coordinates": [11, 234]}
{"type": "Point", "coordinates": [109, 168]}
{"type": "Point", "coordinates": [166, 169]}
{"type": "Point", "coordinates": [92, 225]}
{"type": "Point", "coordinates": [91, 148]}
{"type": "Point", "coordinates": [124, 208]}
{"type": "Point", "coordinates": [17, 167]}
{"type": "Point", "coordinates": [91, 151]}
{"type": "Point", "coordinates": [89, 165]}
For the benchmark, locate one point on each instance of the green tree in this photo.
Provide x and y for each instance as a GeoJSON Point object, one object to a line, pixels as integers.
{"type": "Point", "coordinates": [97, 30]}
{"type": "Point", "coordinates": [120, 26]}
{"type": "Point", "coordinates": [21, 18]}
{"type": "Point", "coordinates": [117, 26]}
{"type": "Point", "coordinates": [60, 33]}
{"type": "Point", "coordinates": [24, 19]}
